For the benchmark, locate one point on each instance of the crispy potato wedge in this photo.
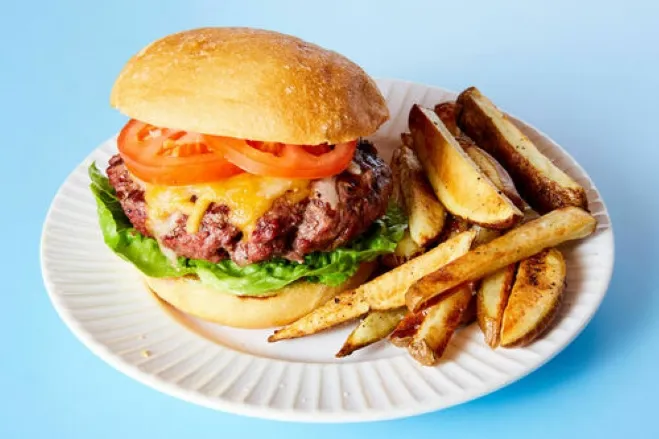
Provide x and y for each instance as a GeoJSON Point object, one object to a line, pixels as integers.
{"type": "Point", "coordinates": [405, 330]}
{"type": "Point", "coordinates": [491, 300]}
{"type": "Point", "coordinates": [495, 172]}
{"type": "Point", "coordinates": [425, 213]}
{"type": "Point", "coordinates": [487, 164]}
{"type": "Point", "coordinates": [446, 113]}
{"type": "Point", "coordinates": [409, 326]}
{"type": "Point", "coordinates": [386, 291]}
{"type": "Point", "coordinates": [535, 298]}
{"type": "Point", "coordinates": [457, 181]}
{"type": "Point", "coordinates": [405, 250]}
{"type": "Point", "coordinates": [376, 326]}
{"type": "Point", "coordinates": [541, 183]}
{"type": "Point", "coordinates": [549, 230]}
{"type": "Point", "coordinates": [440, 321]}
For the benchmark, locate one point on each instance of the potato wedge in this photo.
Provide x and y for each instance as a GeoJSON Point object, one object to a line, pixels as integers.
{"type": "Point", "coordinates": [457, 181]}
{"type": "Point", "coordinates": [405, 250]}
{"type": "Point", "coordinates": [409, 326]}
{"type": "Point", "coordinates": [386, 291]}
{"type": "Point", "coordinates": [549, 230]}
{"type": "Point", "coordinates": [541, 183]}
{"type": "Point", "coordinates": [439, 323]}
{"type": "Point", "coordinates": [487, 164]}
{"type": "Point", "coordinates": [446, 113]}
{"type": "Point", "coordinates": [491, 300]}
{"type": "Point", "coordinates": [406, 328]}
{"type": "Point", "coordinates": [425, 213]}
{"type": "Point", "coordinates": [376, 326]}
{"type": "Point", "coordinates": [495, 172]}
{"type": "Point", "coordinates": [535, 298]}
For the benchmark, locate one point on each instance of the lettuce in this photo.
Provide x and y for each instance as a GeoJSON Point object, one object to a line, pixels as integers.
{"type": "Point", "coordinates": [260, 279]}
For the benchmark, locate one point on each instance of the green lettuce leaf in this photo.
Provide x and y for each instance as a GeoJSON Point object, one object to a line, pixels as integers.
{"type": "Point", "coordinates": [260, 279]}
{"type": "Point", "coordinates": [123, 239]}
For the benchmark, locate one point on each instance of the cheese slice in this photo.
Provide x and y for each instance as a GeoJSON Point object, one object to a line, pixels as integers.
{"type": "Point", "coordinates": [247, 196]}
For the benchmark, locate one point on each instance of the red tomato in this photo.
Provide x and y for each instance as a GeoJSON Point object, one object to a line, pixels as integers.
{"type": "Point", "coordinates": [171, 157]}
{"type": "Point", "coordinates": [284, 160]}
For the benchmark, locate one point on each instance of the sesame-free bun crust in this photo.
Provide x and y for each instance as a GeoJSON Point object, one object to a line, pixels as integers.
{"type": "Point", "coordinates": [249, 84]}
{"type": "Point", "coordinates": [291, 303]}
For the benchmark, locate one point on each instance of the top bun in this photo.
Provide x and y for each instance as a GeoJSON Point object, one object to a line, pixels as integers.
{"type": "Point", "coordinates": [249, 84]}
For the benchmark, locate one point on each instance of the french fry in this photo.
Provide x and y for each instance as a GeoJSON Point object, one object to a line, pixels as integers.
{"type": "Point", "coordinates": [387, 291]}
{"type": "Point", "coordinates": [457, 181]}
{"type": "Point", "coordinates": [541, 183]}
{"type": "Point", "coordinates": [550, 230]}
{"type": "Point", "coordinates": [491, 300]}
{"type": "Point", "coordinates": [376, 326]}
{"type": "Point", "coordinates": [535, 298]}
{"type": "Point", "coordinates": [344, 307]}
{"type": "Point", "coordinates": [425, 213]}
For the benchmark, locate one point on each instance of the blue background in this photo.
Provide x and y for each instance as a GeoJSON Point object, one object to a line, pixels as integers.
{"type": "Point", "coordinates": [587, 74]}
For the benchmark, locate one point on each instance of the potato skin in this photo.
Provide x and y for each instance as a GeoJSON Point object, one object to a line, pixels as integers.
{"type": "Point", "coordinates": [539, 189]}
{"type": "Point", "coordinates": [426, 215]}
{"type": "Point", "coordinates": [457, 181]}
{"type": "Point", "coordinates": [535, 298]}
{"type": "Point", "coordinates": [491, 301]}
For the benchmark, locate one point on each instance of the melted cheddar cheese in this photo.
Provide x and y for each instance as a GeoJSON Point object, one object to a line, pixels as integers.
{"type": "Point", "coordinates": [247, 196]}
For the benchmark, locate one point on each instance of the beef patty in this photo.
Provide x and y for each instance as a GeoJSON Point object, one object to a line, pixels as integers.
{"type": "Point", "coordinates": [338, 210]}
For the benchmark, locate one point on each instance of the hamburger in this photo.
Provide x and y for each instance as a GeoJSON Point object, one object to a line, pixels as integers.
{"type": "Point", "coordinates": [243, 190]}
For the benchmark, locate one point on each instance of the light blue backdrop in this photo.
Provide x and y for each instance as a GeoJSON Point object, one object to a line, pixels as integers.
{"type": "Point", "coordinates": [584, 72]}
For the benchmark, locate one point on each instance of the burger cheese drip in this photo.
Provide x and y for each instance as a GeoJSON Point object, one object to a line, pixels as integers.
{"type": "Point", "coordinates": [247, 196]}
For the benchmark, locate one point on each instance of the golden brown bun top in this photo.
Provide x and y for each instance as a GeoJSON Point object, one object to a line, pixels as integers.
{"type": "Point", "coordinates": [250, 84]}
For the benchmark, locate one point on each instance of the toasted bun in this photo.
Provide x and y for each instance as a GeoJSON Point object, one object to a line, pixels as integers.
{"type": "Point", "coordinates": [250, 84]}
{"type": "Point", "coordinates": [294, 301]}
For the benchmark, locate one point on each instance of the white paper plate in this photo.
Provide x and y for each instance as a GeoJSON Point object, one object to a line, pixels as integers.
{"type": "Point", "coordinates": [103, 301]}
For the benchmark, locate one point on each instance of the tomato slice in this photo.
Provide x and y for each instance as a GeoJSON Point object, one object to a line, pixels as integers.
{"type": "Point", "coordinates": [284, 160]}
{"type": "Point", "coordinates": [171, 157]}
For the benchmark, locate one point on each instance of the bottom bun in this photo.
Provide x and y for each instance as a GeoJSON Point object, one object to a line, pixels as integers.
{"type": "Point", "coordinates": [293, 301]}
